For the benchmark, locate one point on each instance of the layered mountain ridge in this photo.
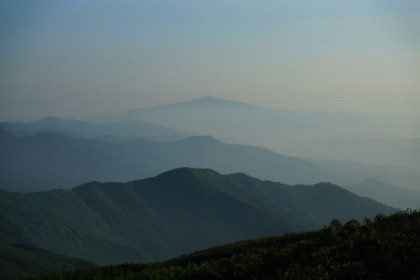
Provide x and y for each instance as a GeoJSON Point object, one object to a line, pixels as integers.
{"type": "Point", "coordinates": [47, 160]}
{"type": "Point", "coordinates": [375, 138]}
{"type": "Point", "coordinates": [179, 211]}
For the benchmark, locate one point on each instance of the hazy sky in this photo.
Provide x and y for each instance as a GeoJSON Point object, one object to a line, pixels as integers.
{"type": "Point", "coordinates": [81, 58]}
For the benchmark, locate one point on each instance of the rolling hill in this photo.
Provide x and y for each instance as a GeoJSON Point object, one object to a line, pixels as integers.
{"type": "Point", "coordinates": [385, 248]}
{"type": "Point", "coordinates": [17, 260]}
{"type": "Point", "coordinates": [179, 211]}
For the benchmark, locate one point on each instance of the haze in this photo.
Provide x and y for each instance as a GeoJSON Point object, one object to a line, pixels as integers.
{"type": "Point", "coordinates": [76, 59]}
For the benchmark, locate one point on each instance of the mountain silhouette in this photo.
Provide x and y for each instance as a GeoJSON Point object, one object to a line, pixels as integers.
{"type": "Point", "coordinates": [178, 211]}
{"type": "Point", "coordinates": [375, 138]}
{"type": "Point", "coordinates": [113, 131]}
{"type": "Point", "coordinates": [47, 160]}
{"type": "Point", "coordinates": [387, 193]}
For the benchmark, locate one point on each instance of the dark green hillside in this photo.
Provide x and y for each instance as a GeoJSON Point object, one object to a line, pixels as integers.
{"type": "Point", "coordinates": [157, 218]}
{"type": "Point", "coordinates": [310, 205]}
{"type": "Point", "coordinates": [177, 212]}
{"type": "Point", "coordinates": [20, 259]}
{"type": "Point", "coordinates": [385, 248]}
{"type": "Point", "coordinates": [60, 222]}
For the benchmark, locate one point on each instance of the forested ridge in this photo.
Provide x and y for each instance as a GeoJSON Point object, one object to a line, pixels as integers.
{"type": "Point", "coordinates": [177, 212]}
{"type": "Point", "coordinates": [387, 247]}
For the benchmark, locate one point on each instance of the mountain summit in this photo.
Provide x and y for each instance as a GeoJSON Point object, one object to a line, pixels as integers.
{"type": "Point", "coordinates": [205, 101]}
{"type": "Point", "coordinates": [208, 100]}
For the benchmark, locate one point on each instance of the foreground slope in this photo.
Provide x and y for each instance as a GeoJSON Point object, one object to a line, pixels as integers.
{"type": "Point", "coordinates": [176, 212]}
{"type": "Point", "coordinates": [385, 248]}
{"type": "Point", "coordinates": [20, 259]}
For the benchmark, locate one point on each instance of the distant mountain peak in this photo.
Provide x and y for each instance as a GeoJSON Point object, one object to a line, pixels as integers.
{"type": "Point", "coordinates": [325, 184]}
{"type": "Point", "coordinates": [209, 97]}
{"type": "Point", "coordinates": [201, 139]}
{"type": "Point", "coordinates": [211, 100]}
{"type": "Point", "coordinates": [370, 180]}
{"type": "Point", "coordinates": [188, 172]}
{"type": "Point", "coordinates": [206, 101]}
{"type": "Point", "coordinates": [48, 119]}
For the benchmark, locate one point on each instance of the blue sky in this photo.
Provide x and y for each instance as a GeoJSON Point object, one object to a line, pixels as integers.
{"type": "Point", "coordinates": [74, 59]}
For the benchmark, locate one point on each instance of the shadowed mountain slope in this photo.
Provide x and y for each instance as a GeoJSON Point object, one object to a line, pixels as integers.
{"type": "Point", "coordinates": [25, 260]}
{"type": "Point", "coordinates": [176, 212]}
{"type": "Point", "coordinates": [385, 248]}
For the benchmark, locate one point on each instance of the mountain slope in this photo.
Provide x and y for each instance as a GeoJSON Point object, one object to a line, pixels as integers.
{"type": "Point", "coordinates": [176, 212]}
{"type": "Point", "coordinates": [113, 131]}
{"type": "Point", "coordinates": [313, 204]}
{"type": "Point", "coordinates": [387, 194]}
{"type": "Point", "coordinates": [18, 260]}
{"type": "Point", "coordinates": [366, 137]}
{"type": "Point", "coordinates": [46, 160]}
{"type": "Point", "coordinates": [385, 248]}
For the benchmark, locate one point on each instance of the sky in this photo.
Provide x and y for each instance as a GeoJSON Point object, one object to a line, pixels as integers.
{"type": "Point", "coordinates": [76, 59]}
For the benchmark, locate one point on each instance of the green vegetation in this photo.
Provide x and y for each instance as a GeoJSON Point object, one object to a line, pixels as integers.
{"type": "Point", "coordinates": [385, 248]}
{"type": "Point", "coordinates": [21, 259]}
{"type": "Point", "coordinates": [177, 212]}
